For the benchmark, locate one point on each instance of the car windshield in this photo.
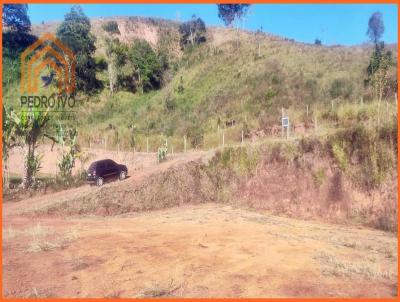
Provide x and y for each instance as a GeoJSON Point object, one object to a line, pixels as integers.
{"type": "Point", "coordinates": [92, 166]}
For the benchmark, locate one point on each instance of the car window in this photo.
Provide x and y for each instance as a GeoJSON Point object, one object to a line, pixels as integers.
{"type": "Point", "coordinates": [110, 163]}
{"type": "Point", "coordinates": [103, 164]}
{"type": "Point", "coordinates": [92, 166]}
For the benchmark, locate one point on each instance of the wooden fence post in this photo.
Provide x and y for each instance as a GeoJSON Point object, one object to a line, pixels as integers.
{"type": "Point", "coordinates": [315, 122]}
{"type": "Point", "coordinates": [282, 123]}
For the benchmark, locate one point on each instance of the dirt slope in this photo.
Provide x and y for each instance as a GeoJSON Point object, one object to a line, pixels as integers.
{"type": "Point", "coordinates": [140, 167]}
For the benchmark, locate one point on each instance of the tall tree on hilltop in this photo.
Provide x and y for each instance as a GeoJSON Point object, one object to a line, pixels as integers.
{"type": "Point", "coordinates": [15, 17]}
{"type": "Point", "coordinates": [259, 34]}
{"type": "Point", "coordinates": [232, 13]}
{"type": "Point", "coordinates": [381, 60]}
{"type": "Point", "coordinates": [192, 32]}
{"type": "Point", "coordinates": [375, 27]}
{"type": "Point", "coordinates": [74, 32]}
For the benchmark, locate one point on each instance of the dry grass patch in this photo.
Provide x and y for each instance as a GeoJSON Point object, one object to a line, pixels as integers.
{"type": "Point", "coordinates": [158, 290]}
{"type": "Point", "coordinates": [331, 265]}
{"type": "Point", "coordinates": [40, 241]}
{"type": "Point", "coordinates": [10, 233]}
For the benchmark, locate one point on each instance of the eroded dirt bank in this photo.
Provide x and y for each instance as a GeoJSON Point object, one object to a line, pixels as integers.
{"type": "Point", "coordinates": [206, 225]}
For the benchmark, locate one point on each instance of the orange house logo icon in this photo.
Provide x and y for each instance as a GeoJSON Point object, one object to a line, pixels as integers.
{"type": "Point", "coordinates": [48, 51]}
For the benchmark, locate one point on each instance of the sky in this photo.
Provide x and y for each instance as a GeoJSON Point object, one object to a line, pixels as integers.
{"type": "Point", "coordinates": [344, 24]}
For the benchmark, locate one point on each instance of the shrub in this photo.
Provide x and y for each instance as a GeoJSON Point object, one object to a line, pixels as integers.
{"type": "Point", "coordinates": [170, 103]}
{"type": "Point", "coordinates": [318, 42]}
{"type": "Point", "coordinates": [309, 144]}
{"type": "Point", "coordinates": [240, 161]}
{"type": "Point", "coordinates": [101, 63]}
{"type": "Point", "coordinates": [341, 88]}
{"type": "Point", "coordinates": [162, 153]}
{"type": "Point", "coordinates": [319, 177]}
{"type": "Point", "coordinates": [195, 135]}
{"type": "Point", "coordinates": [34, 165]}
{"type": "Point", "coordinates": [340, 156]}
{"type": "Point", "coordinates": [111, 27]}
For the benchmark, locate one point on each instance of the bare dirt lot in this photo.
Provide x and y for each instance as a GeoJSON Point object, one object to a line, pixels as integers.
{"type": "Point", "coordinates": [202, 250]}
{"type": "Point", "coordinates": [207, 250]}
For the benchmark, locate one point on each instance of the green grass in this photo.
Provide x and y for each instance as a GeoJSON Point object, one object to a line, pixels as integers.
{"type": "Point", "coordinates": [220, 81]}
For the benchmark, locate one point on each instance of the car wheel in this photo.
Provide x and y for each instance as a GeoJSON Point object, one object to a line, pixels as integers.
{"type": "Point", "coordinates": [99, 181]}
{"type": "Point", "coordinates": [122, 175]}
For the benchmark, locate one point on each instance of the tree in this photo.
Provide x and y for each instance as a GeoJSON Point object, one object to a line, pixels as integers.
{"type": "Point", "coordinates": [147, 65]}
{"type": "Point", "coordinates": [30, 127]}
{"type": "Point", "coordinates": [375, 27]}
{"type": "Point", "coordinates": [229, 13]}
{"type": "Point", "coordinates": [15, 40]}
{"type": "Point", "coordinates": [259, 34]}
{"type": "Point", "coordinates": [381, 60]}
{"type": "Point", "coordinates": [66, 137]}
{"type": "Point", "coordinates": [9, 139]}
{"type": "Point", "coordinates": [116, 54]}
{"type": "Point", "coordinates": [340, 88]}
{"type": "Point", "coordinates": [15, 17]}
{"type": "Point", "coordinates": [378, 70]}
{"type": "Point", "coordinates": [192, 32]}
{"type": "Point", "coordinates": [232, 13]}
{"type": "Point", "coordinates": [317, 42]}
{"type": "Point", "coordinates": [74, 32]}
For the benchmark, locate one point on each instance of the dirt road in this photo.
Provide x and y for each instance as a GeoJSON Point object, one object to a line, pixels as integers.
{"type": "Point", "coordinates": [205, 250]}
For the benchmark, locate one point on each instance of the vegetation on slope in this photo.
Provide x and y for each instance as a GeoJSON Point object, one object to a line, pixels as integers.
{"type": "Point", "coordinates": [152, 79]}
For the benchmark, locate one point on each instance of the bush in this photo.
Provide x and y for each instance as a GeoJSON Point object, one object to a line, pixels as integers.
{"type": "Point", "coordinates": [101, 63]}
{"type": "Point", "coordinates": [239, 161]}
{"type": "Point", "coordinates": [319, 177]}
{"type": "Point", "coordinates": [340, 156]}
{"type": "Point", "coordinates": [309, 144]}
{"type": "Point", "coordinates": [162, 153]}
{"type": "Point", "coordinates": [195, 135]}
{"type": "Point", "coordinates": [341, 88]}
{"type": "Point", "coordinates": [111, 27]}
{"type": "Point", "coordinates": [363, 154]}
{"type": "Point", "coordinates": [170, 103]}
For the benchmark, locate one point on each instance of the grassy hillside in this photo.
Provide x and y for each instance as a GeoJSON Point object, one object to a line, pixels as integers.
{"type": "Point", "coordinates": [221, 80]}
